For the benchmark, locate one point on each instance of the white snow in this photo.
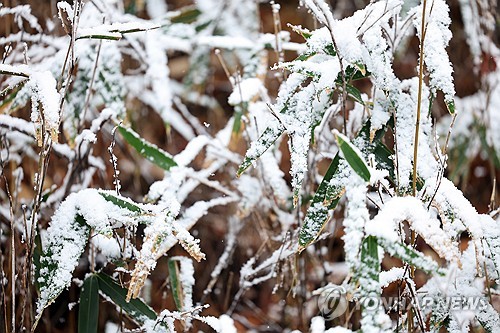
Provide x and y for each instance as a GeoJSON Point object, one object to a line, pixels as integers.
{"type": "Point", "coordinates": [44, 104]}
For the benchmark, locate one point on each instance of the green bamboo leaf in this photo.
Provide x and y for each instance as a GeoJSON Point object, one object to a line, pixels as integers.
{"type": "Point", "coordinates": [328, 194]}
{"type": "Point", "coordinates": [305, 56]}
{"type": "Point", "coordinates": [104, 36]}
{"type": "Point", "coordinates": [9, 94]}
{"type": "Point", "coordinates": [148, 150]}
{"type": "Point", "coordinates": [238, 113]}
{"type": "Point", "coordinates": [175, 283]}
{"type": "Point", "coordinates": [354, 93]}
{"type": "Point", "coordinates": [265, 141]}
{"type": "Point", "coordinates": [187, 14]}
{"type": "Point", "coordinates": [353, 156]}
{"type": "Point", "coordinates": [489, 318]}
{"type": "Point", "coordinates": [121, 202]}
{"type": "Point", "coordinates": [450, 105]}
{"type": "Point", "coordinates": [136, 308]}
{"type": "Point", "coordinates": [306, 34]}
{"type": "Point", "coordinates": [367, 276]}
{"type": "Point", "coordinates": [410, 256]}
{"type": "Point", "coordinates": [88, 312]}
{"type": "Point", "coordinates": [317, 214]}
{"type": "Point", "coordinates": [51, 269]}
{"type": "Point", "coordinates": [353, 73]}
{"type": "Point", "coordinates": [369, 258]}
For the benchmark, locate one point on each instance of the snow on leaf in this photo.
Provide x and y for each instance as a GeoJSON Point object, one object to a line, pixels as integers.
{"type": "Point", "coordinates": [405, 101]}
{"type": "Point", "coordinates": [468, 286]}
{"type": "Point", "coordinates": [181, 274]}
{"type": "Point", "coordinates": [333, 185]}
{"type": "Point", "coordinates": [245, 91]}
{"type": "Point", "coordinates": [411, 209]}
{"type": "Point", "coordinates": [479, 226]}
{"type": "Point", "coordinates": [353, 156]}
{"type": "Point", "coordinates": [67, 237]}
{"type": "Point", "coordinates": [317, 213]}
{"type": "Point", "coordinates": [21, 12]}
{"type": "Point", "coordinates": [114, 31]}
{"type": "Point", "coordinates": [367, 275]}
{"type": "Point", "coordinates": [355, 220]}
{"type": "Point", "coordinates": [436, 37]}
{"type": "Point", "coordinates": [162, 234]}
{"type": "Point", "coordinates": [409, 255]}
{"type": "Point", "coordinates": [259, 147]}
{"type": "Point", "coordinates": [44, 105]}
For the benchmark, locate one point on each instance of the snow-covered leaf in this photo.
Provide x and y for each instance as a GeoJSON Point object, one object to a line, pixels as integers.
{"type": "Point", "coordinates": [259, 147]}
{"type": "Point", "coordinates": [317, 214]}
{"type": "Point", "coordinates": [180, 272]}
{"type": "Point", "coordinates": [60, 257]}
{"type": "Point", "coordinates": [409, 255]}
{"type": "Point", "coordinates": [121, 202]}
{"type": "Point", "coordinates": [114, 31]}
{"type": "Point", "coordinates": [353, 156]}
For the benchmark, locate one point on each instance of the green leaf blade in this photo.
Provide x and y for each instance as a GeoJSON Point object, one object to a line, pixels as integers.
{"type": "Point", "coordinates": [173, 273]}
{"type": "Point", "coordinates": [354, 93]}
{"type": "Point", "coordinates": [50, 282]}
{"type": "Point", "coordinates": [120, 202]}
{"type": "Point", "coordinates": [450, 105]}
{"type": "Point", "coordinates": [353, 157]}
{"type": "Point", "coordinates": [148, 150]}
{"type": "Point", "coordinates": [265, 141]}
{"type": "Point", "coordinates": [409, 255]}
{"type": "Point", "coordinates": [88, 312]}
{"type": "Point", "coordinates": [369, 258]}
{"type": "Point", "coordinates": [317, 213]}
{"type": "Point", "coordinates": [136, 308]}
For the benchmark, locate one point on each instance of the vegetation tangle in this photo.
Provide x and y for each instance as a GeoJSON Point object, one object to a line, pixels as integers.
{"type": "Point", "coordinates": [134, 198]}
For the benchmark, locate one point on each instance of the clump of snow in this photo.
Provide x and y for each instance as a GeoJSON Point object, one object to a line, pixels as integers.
{"type": "Point", "coordinates": [67, 237]}
{"type": "Point", "coordinates": [245, 91]}
{"type": "Point", "coordinates": [437, 37]}
{"type": "Point", "coordinates": [44, 104]}
{"type": "Point", "coordinates": [411, 209]}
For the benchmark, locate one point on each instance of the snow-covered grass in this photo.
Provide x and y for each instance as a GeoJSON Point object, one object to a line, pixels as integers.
{"type": "Point", "coordinates": [135, 138]}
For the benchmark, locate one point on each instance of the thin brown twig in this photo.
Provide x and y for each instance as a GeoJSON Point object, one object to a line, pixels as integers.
{"type": "Point", "coordinates": [419, 98]}
{"type": "Point", "coordinates": [12, 248]}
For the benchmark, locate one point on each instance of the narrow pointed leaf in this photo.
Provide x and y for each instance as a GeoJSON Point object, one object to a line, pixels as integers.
{"type": "Point", "coordinates": [136, 308]}
{"type": "Point", "coordinates": [354, 93]}
{"type": "Point", "coordinates": [409, 255]}
{"type": "Point", "coordinates": [150, 151]}
{"type": "Point", "coordinates": [175, 283]}
{"type": "Point", "coordinates": [88, 312]}
{"type": "Point", "coordinates": [317, 214]}
{"type": "Point", "coordinates": [353, 157]}
{"type": "Point", "coordinates": [50, 281]}
{"type": "Point", "coordinates": [328, 195]}
{"type": "Point", "coordinates": [37, 254]}
{"type": "Point", "coordinates": [121, 202]}
{"type": "Point", "coordinates": [186, 14]}
{"type": "Point", "coordinates": [489, 318]}
{"type": "Point", "coordinates": [369, 258]}
{"type": "Point", "coordinates": [266, 140]}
